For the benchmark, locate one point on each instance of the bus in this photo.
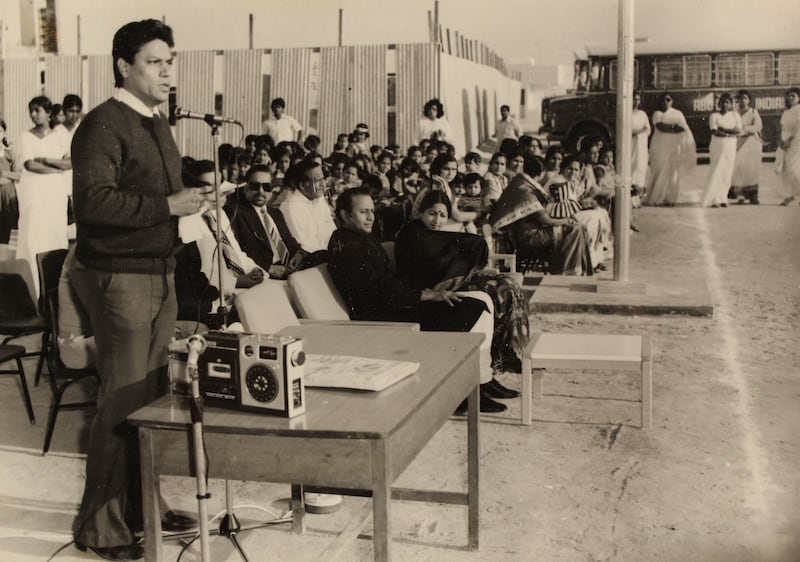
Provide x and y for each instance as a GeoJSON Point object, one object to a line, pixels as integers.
{"type": "Point", "coordinates": [695, 81]}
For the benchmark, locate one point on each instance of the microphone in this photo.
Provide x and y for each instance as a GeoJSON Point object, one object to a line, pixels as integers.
{"type": "Point", "coordinates": [209, 118]}
{"type": "Point", "coordinates": [196, 346]}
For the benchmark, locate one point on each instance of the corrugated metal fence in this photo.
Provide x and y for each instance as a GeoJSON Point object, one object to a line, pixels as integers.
{"type": "Point", "coordinates": [328, 90]}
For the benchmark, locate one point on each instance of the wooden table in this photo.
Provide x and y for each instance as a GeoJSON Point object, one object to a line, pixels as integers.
{"type": "Point", "coordinates": [354, 441]}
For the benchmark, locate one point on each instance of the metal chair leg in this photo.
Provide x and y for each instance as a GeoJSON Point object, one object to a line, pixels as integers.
{"type": "Point", "coordinates": [26, 395]}
{"type": "Point", "coordinates": [42, 355]}
{"type": "Point", "coordinates": [51, 419]}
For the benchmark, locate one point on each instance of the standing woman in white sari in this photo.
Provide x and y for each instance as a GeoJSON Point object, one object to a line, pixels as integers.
{"type": "Point", "coordinates": [746, 171]}
{"type": "Point", "coordinates": [40, 191]}
{"type": "Point", "coordinates": [672, 154]}
{"type": "Point", "coordinates": [725, 126]}
{"type": "Point", "coordinates": [640, 124]}
{"type": "Point", "coordinates": [789, 153]}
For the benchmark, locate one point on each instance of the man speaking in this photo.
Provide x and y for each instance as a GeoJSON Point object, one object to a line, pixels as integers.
{"type": "Point", "coordinates": [128, 196]}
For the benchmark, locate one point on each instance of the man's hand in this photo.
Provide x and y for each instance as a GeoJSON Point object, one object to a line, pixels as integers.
{"type": "Point", "coordinates": [277, 271]}
{"type": "Point", "coordinates": [450, 297]}
{"type": "Point", "coordinates": [185, 202]}
{"type": "Point", "coordinates": [251, 279]}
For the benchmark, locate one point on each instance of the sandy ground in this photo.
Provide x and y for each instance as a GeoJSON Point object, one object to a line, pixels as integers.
{"type": "Point", "coordinates": [716, 479]}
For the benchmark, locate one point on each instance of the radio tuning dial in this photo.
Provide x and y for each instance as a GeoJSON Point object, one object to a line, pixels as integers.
{"type": "Point", "coordinates": [298, 358]}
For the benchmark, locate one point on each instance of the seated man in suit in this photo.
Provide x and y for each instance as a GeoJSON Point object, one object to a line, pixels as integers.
{"type": "Point", "coordinates": [259, 228]}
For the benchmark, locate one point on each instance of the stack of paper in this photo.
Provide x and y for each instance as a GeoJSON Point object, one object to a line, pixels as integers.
{"type": "Point", "coordinates": [360, 373]}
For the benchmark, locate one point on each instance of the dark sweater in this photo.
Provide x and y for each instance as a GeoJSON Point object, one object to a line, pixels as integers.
{"type": "Point", "coordinates": [124, 167]}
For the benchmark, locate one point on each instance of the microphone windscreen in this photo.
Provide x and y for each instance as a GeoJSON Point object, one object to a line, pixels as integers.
{"type": "Point", "coordinates": [173, 105]}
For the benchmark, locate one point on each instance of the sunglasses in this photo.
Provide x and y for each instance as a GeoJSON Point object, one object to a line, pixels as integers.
{"type": "Point", "coordinates": [255, 186]}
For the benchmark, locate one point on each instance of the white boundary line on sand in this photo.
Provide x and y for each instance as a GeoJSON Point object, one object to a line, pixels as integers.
{"type": "Point", "coordinates": [754, 454]}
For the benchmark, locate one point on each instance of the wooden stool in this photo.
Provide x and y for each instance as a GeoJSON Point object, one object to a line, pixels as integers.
{"type": "Point", "coordinates": [586, 351]}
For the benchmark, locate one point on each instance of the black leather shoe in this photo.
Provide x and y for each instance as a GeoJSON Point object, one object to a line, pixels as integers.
{"type": "Point", "coordinates": [489, 406]}
{"type": "Point", "coordinates": [133, 551]}
{"type": "Point", "coordinates": [175, 523]}
{"type": "Point", "coordinates": [496, 390]}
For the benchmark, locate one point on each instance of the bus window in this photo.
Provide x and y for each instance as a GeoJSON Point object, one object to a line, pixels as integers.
{"type": "Point", "coordinates": [760, 69]}
{"type": "Point", "coordinates": [668, 73]}
{"type": "Point", "coordinates": [730, 70]}
{"type": "Point", "coordinates": [612, 74]}
{"type": "Point", "coordinates": [697, 71]}
{"type": "Point", "coordinates": [789, 68]}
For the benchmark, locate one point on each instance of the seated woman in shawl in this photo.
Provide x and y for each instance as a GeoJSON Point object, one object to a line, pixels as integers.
{"type": "Point", "coordinates": [520, 211]}
{"type": "Point", "coordinates": [428, 257]}
{"type": "Point", "coordinates": [365, 277]}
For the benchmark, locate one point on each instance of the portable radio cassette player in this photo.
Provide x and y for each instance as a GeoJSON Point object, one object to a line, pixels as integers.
{"type": "Point", "coordinates": [253, 373]}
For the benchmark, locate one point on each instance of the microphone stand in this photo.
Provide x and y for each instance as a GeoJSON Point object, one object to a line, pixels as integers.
{"type": "Point", "coordinates": [229, 526]}
{"type": "Point", "coordinates": [197, 345]}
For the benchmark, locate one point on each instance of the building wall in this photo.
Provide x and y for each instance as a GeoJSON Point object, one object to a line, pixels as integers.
{"type": "Point", "coordinates": [472, 95]}
{"type": "Point", "coordinates": [329, 90]}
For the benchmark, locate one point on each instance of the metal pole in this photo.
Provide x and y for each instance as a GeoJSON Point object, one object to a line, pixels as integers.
{"type": "Point", "coordinates": [622, 205]}
{"type": "Point", "coordinates": [196, 345]}
{"type": "Point", "coordinates": [341, 21]}
{"type": "Point", "coordinates": [250, 24]}
{"type": "Point", "coordinates": [438, 49]}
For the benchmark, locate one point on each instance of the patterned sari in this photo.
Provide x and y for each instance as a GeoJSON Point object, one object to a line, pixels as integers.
{"type": "Point", "coordinates": [435, 259]}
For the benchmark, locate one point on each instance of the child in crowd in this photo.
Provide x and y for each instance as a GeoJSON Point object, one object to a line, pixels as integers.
{"type": "Point", "coordinates": [472, 162]}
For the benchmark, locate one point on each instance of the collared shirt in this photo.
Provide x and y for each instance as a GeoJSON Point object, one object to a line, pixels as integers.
{"type": "Point", "coordinates": [123, 95]}
{"type": "Point", "coordinates": [309, 221]}
{"type": "Point", "coordinates": [506, 129]}
{"type": "Point", "coordinates": [283, 129]}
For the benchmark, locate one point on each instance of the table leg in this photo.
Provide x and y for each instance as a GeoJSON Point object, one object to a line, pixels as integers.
{"type": "Point", "coordinates": [298, 509]}
{"type": "Point", "coordinates": [538, 375]}
{"type": "Point", "coordinates": [526, 390]}
{"type": "Point", "coordinates": [381, 503]}
{"type": "Point", "coordinates": [473, 464]}
{"type": "Point", "coordinates": [150, 497]}
{"type": "Point", "coordinates": [647, 385]}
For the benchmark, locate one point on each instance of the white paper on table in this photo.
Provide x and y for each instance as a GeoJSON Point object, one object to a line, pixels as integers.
{"type": "Point", "coordinates": [359, 373]}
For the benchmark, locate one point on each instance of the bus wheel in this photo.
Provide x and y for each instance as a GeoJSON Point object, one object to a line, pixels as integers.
{"type": "Point", "coordinates": [581, 133]}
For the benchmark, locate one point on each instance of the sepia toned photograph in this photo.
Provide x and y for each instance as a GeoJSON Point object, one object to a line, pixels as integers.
{"type": "Point", "coordinates": [438, 280]}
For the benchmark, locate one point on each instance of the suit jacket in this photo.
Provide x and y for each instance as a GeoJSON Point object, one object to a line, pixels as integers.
{"type": "Point", "coordinates": [252, 236]}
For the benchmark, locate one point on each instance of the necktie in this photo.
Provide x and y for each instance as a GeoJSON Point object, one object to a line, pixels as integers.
{"type": "Point", "coordinates": [228, 253]}
{"type": "Point", "coordinates": [279, 249]}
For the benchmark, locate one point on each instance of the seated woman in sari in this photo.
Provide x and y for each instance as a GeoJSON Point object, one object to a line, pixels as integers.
{"type": "Point", "coordinates": [365, 277]}
{"type": "Point", "coordinates": [533, 232]}
{"type": "Point", "coordinates": [428, 257]}
{"type": "Point", "coordinates": [443, 170]}
{"type": "Point", "coordinates": [590, 215]}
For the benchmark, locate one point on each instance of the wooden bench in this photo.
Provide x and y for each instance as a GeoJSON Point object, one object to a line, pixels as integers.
{"type": "Point", "coordinates": [586, 351]}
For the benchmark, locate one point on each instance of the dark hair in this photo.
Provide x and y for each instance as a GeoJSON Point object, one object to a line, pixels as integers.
{"type": "Point", "coordinates": [434, 197]}
{"type": "Point", "coordinates": [795, 91]}
{"type": "Point", "coordinates": [131, 37]}
{"type": "Point", "coordinates": [344, 202]}
{"type": "Point", "coordinates": [525, 140]}
{"type": "Point", "coordinates": [725, 97]}
{"type": "Point", "coordinates": [297, 172]}
{"type": "Point", "coordinates": [471, 178]}
{"type": "Point", "coordinates": [569, 160]}
{"type": "Point", "coordinates": [72, 100]}
{"type": "Point", "coordinates": [312, 143]}
{"type": "Point", "coordinates": [55, 110]}
{"type": "Point", "coordinates": [439, 162]}
{"type": "Point", "coordinates": [384, 154]}
{"type": "Point", "coordinates": [278, 102]}
{"type": "Point", "coordinates": [40, 101]}
{"type": "Point", "coordinates": [434, 102]}
{"type": "Point", "coordinates": [552, 150]}
{"type": "Point", "coordinates": [532, 166]}
{"type": "Point", "coordinates": [509, 147]}
{"type": "Point", "coordinates": [251, 138]}
{"type": "Point", "coordinates": [504, 106]}
{"type": "Point", "coordinates": [472, 157]}
{"type": "Point", "coordinates": [497, 155]}
{"type": "Point", "coordinates": [263, 168]}
{"type": "Point", "coordinates": [194, 169]}
{"type": "Point", "coordinates": [408, 166]}
{"type": "Point", "coordinates": [337, 158]}
{"type": "Point", "coordinates": [664, 97]}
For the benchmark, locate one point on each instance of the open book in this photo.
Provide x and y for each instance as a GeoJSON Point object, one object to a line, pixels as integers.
{"type": "Point", "coordinates": [360, 373]}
